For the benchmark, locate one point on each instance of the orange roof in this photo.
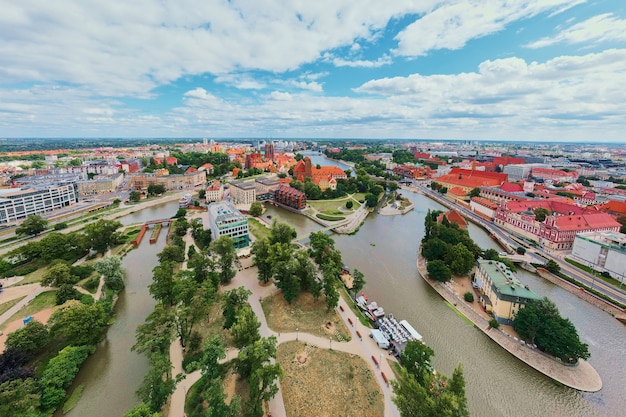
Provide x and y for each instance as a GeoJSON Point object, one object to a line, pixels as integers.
{"type": "Point", "coordinates": [485, 202]}
{"type": "Point", "coordinates": [472, 178]}
{"type": "Point", "coordinates": [457, 191]}
{"type": "Point", "coordinates": [453, 216]}
{"type": "Point", "coordinates": [586, 221]}
{"type": "Point", "coordinates": [613, 206]}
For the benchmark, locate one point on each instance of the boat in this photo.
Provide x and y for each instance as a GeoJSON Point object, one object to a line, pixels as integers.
{"type": "Point", "coordinates": [184, 201]}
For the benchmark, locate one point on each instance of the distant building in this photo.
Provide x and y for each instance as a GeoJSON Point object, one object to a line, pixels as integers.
{"type": "Point", "coordinates": [324, 176]}
{"type": "Point", "coordinates": [269, 151]}
{"type": "Point", "coordinates": [468, 179]}
{"type": "Point", "coordinates": [455, 217]}
{"type": "Point", "coordinates": [265, 187]}
{"type": "Point", "coordinates": [225, 220]}
{"type": "Point", "coordinates": [99, 185]}
{"type": "Point", "coordinates": [290, 197]}
{"type": "Point", "coordinates": [501, 292]}
{"type": "Point", "coordinates": [243, 192]}
{"type": "Point", "coordinates": [554, 175]}
{"type": "Point", "coordinates": [169, 181]}
{"type": "Point", "coordinates": [18, 203]}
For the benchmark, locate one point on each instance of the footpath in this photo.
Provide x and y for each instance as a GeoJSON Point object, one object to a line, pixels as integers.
{"type": "Point", "coordinates": [363, 346]}
{"type": "Point", "coordinates": [582, 377]}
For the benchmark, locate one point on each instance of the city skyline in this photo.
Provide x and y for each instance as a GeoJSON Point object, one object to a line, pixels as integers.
{"type": "Point", "coordinates": [543, 70]}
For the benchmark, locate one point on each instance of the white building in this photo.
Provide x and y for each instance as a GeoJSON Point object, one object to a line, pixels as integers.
{"type": "Point", "coordinates": [225, 219]}
{"type": "Point", "coordinates": [602, 251]}
{"type": "Point", "coordinates": [214, 192]}
{"type": "Point", "coordinates": [243, 192]}
{"type": "Point", "coordinates": [18, 203]}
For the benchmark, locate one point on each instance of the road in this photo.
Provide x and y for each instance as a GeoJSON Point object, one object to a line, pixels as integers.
{"type": "Point", "coordinates": [583, 277]}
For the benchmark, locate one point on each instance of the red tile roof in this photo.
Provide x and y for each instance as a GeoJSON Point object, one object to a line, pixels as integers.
{"type": "Point", "coordinates": [511, 187]}
{"type": "Point", "coordinates": [613, 206]}
{"type": "Point", "coordinates": [585, 221]}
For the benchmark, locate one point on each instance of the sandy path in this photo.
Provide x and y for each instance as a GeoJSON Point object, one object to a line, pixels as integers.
{"type": "Point", "coordinates": [12, 293]}
{"type": "Point", "coordinates": [43, 316]}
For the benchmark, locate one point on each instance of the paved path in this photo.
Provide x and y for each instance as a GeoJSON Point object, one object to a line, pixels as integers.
{"type": "Point", "coordinates": [364, 347]}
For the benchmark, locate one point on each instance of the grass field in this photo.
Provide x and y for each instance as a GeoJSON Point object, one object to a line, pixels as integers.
{"type": "Point", "coordinates": [258, 230]}
{"type": "Point", "coordinates": [304, 314]}
{"type": "Point", "coordinates": [330, 205]}
{"type": "Point", "coordinates": [42, 301]}
{"type": "Point", "coordinates": [326, 382]}
{"type": "Point", "coordinates": [4, 307]}
{"type": "Point", "coordinates": [329, 218]}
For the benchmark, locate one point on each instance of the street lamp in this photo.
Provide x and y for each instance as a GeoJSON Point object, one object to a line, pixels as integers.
{"type": "Point", "coordinates": [330, 339]}
{"type": "Point", "coordinates": [297, 332]}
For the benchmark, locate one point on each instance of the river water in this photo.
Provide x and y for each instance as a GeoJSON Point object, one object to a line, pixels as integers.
{"type": "Point", "coordinates": [385, 249]}
{"type": "Point", "coordinates": [113, 373]}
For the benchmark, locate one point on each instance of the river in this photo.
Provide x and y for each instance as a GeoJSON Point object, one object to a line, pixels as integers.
{"type": "Point", "coordinates": [113, 373]}
{"type": "Point", "coordinates": [320, 158]}
{"type": "Point", "coordinates": [385, 249]}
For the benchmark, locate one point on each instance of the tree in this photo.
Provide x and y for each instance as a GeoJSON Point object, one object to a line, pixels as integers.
{"type": "Point", "coordinates": [193, 303]}
{"type": "Point", "coordinates": [245, 330]}
{"type": "Point", "coordinates": [460, 259]}
{"type": "Point", "coordinates": [233, 300]}
{"type": "Point", "coordinates": [111, 268]}
{"type": "Point", "coordinates": [256, 209]}
{"type": "Point", "coordinates": [304, 270]}
{"type": "Point", "coordinates": [134, 196]}
{"type": "Point", "coordinates": [171, 253]}
{"type": "Point", "coordinates": [541, 214]}
{"type": "Point", "coordinates": [57, 275]}
{"type": "Point", "coordinates": [141, 410]}
{"type": "Point", "coordinates": [30, 339]}
{"type": "Point", "coordinates": [59, 374]}
{"type": "Point", "coordinates": [434, 248]}
{"type": "Point", "coordinates": [19, 398]}
{"type": "Point", "coordinates": [298, 185]}
{"type": "Point", "coordinates": [282, 233]}
{"type": "Point", "coordinates": [155, 334]}
{"type": "Point", "coordinates": [32, 225]}
{"type": "Point", "coordinates": [358, 281]}
{"type": "Point", "coordinates": [552, 266]}
{"type": "Point", "coordinates": [67, 292]}
{"type": "Point", "coordinates": [349, 204]}
{"type": "Point", "coordinates": [330, 272]}
{"type": "Point", "coordinates": [103, 234]}
{"type": "Point", "coordinates": [438, 271]}
{"type": "Point", "coordinates": [371, 200]}
{"type": "Point", "coordinates": [416, 359]}
{"type": "Point", "coordinates": [469, 297]}
{"type": "Point", "coordinates": [225, 249]}
{"type": "Point", "coordinates": [180, 226]}
{"type": "Point", "coordinates": [80, 324]}
{"type": "Point", "coordinates": [320, 244]}
{"type": "Point", "coordinates": [520, 250]}
{"type": "Point", "coordinates": [411, 397]}
{"type": "Point", "coordinates": [55, 246]}
{"type": "Point", "coordinates": [157, 384]}
{"type": "Point", "coordinates": [156, 189]}
{"type": "Point", "coordinates": [162, 287]}
{"type": "Point", "coordinates": [262, 260]}
{"type": "Point", "coordinates": [180, 213]}
{"type": "Point", "coordinates": [475, 192]}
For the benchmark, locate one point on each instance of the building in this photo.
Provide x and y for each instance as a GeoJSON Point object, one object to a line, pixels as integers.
{"type": "Point", "coordinates": [18, 203]}
{"type": "Point", "coordinates": [605, 251]}
{"type": "Point", "coordinates": [455, 217]}
{"type": "Point", "coordinates": [265, 187]}
{"type": "Point", "coordinates": [501, 292]}
{"type": "Point", "coordinates": [269, 151]}
{"type": "Point", "coordinates": [518, 172]}
{"type": "Point", "coordinates": [225, 220]}
{"type": "Point", "coordinates": [560, 227]}
{"type": "Point", "coordinates": [324, 176]}
{"type": "Point", "coordinates": [468, 179]}
{"type": "Point", "coordinates": [99, 185]}
{"type": "Point", "coordinates": [169, 181]}
{"type": "Point", "coordinates": [214, 192]}
{"type": "Point", "coordinates": [554, 175]}
{"type": "Point", "coordinates": [483, 207]}
{"type": "Point", "coordinates": [243, 192]}
{"type": "Point", "coordinates": [290, 197]}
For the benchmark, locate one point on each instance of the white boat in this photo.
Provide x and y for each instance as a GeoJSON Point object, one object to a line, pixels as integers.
{"type": "Point", "coordinates": [185, 200]}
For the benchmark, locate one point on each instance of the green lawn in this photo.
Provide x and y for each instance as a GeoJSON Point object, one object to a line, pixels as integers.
{"type": "Point", "coordinates": [329, 218]}
{"type": "Point", "coordinates": [35, 276]}
{"type": "Point", "coordinates": [6, 306]}
{"type": "Point", "coordinates": [259, 230]}
{"type": "Point", "coordinates": [359, 196]}
{"type": "Point", "coordinates": [329, 205]}
{"type": "Point", "coordinates": [41, 302]}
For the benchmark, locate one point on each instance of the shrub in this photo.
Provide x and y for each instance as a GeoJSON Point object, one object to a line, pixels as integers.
{"type": "Point", "coordinates": [67, 292]}
{"type": "Point", "coordinates": [91, 284]}
{"type": "Point", "coordinates": [520, 250]}
{"type": "Point", "coordinates": [494, 324]}
{"type": "Point", "coordinates": [469, 297]}
{"type": "Point", "coordinates": [349, 204]}
{"type": "Point", "coordinates": [60, 226]}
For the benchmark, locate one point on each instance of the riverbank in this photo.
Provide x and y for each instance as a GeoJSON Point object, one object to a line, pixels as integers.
{"type": "Point", "coordinates": [582, 377]}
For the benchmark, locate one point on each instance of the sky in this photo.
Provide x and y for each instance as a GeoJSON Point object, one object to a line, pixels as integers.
{"type": "Point", "coordinates": [535, 70]}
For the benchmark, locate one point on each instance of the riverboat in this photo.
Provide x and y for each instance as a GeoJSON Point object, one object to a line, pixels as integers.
{"type": "Point", "coordinates": [184, 201]}
{"type": "Point", "coordinates": [371, 310]}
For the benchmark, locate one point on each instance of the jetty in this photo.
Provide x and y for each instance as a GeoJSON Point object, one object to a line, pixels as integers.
{"type": "Point", "coordinates": [581, 377]}
{"type": "Point", "coordinates": [156, 230]}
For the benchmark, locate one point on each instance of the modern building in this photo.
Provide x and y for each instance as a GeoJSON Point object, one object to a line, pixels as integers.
{"type": "Point", "coordinates": [604, 251]}
{"type": "Point", "coordinates": [243, 192]}
{"type": "Point", "coordinates": [18, 203]}
{"type": "Point", "coordinates": [501, 292]}
{"type": "Point", "coordinates": [265, 187]}
{"type": "Point", "coordinates": [225, 220]}
{"type": "Point", "coordinates": [99, 185]}
{"type": "Point", "coordinates": [170, 181]}
{"type": "Point", "coordinates": [290, 197]}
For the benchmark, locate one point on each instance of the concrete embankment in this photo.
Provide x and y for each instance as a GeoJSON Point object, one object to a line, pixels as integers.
{"type": "Point", "coordinates": [582, 377]}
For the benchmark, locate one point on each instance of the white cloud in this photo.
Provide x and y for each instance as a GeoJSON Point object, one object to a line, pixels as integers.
{"type": "Point", "coordinates": [384, 60]}
{"type": "Point", "coordinates": [602, 28]}
{"type": "Point", "coordinates": [311, 86]}
{"type": "Point", "coordinates": [450, 25]}
{"type": "Point", "coordinates": [241, 81]}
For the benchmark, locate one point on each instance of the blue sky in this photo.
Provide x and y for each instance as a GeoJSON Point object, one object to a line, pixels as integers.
{"type": "Point", "coordinates": [443, 69]}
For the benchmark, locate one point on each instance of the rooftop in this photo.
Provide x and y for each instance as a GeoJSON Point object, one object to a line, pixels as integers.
{"type": "Point", "coordinates": [505, 281]}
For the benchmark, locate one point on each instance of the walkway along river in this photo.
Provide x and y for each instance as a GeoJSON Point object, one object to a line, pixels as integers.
{"type": "Point", "coordinates": [385, 249]}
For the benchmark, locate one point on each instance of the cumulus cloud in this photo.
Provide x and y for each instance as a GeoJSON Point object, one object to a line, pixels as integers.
{"type": "Point", "coordinates": [384, 60]}
{"type": "Point", "coordinates": [451, 24]}
{"type": "Point", "coordinates": [311, 86]}
{"type": "Point", "coordinates": [602, 28]}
